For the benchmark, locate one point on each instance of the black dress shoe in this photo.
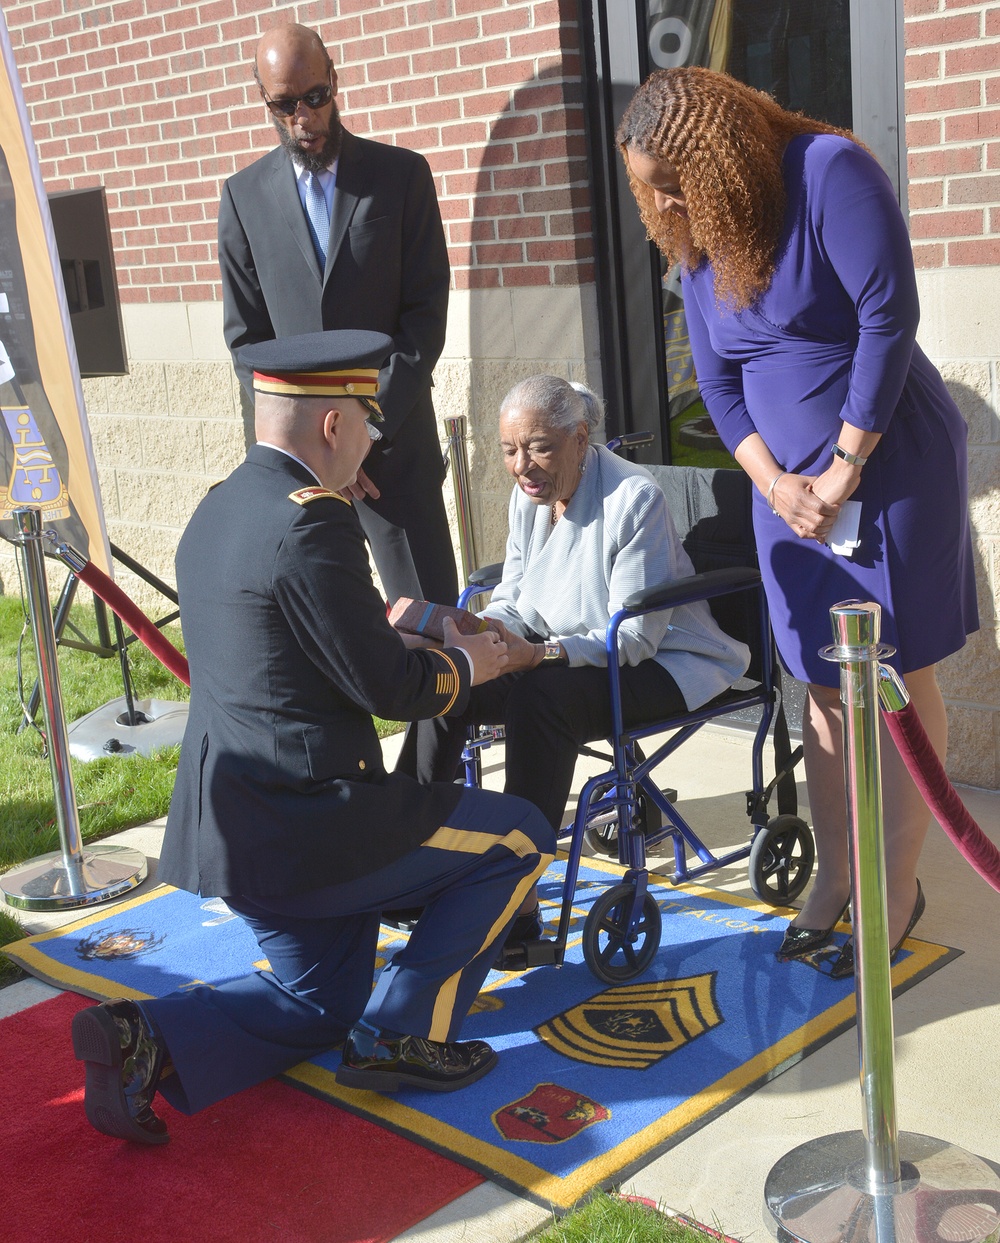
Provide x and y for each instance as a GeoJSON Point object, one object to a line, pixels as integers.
{"type": "Point", "coordinates": [798, 942]}
{"type": "Point", "coordinates": [524, 928]}
{"type": "Point", "coordinates": [381, 1061]}
{"type": "Point", "coordinates": [124, 1061]}
{"type": "Point", "coordinates": [404, 918]}
{"type": "Point", "coordinates": [844, 964]}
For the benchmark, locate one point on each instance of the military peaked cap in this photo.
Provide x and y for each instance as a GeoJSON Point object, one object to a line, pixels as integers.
{"type": "Point", "coordinates": [319, 364]}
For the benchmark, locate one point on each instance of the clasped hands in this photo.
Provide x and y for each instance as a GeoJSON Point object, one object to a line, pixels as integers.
{"type": "Point", "coordinates": [810, 503]}
{"type": "Point", "coordinates": [494, 651]}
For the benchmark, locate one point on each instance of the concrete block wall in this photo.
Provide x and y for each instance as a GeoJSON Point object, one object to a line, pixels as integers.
{"type": "Point", "coordinates": [952, 106]}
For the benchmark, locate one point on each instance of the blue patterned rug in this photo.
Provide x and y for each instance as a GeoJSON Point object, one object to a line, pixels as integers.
{"type": "Point", "coordinates": [592, 1080]}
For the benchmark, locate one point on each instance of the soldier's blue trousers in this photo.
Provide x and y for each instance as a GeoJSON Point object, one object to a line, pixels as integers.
{"type": "Point", "coordinates": [470, 876]}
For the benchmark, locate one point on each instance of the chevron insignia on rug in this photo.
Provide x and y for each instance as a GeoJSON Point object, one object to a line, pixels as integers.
{"type": "Point", "coordinates": [635, 1025]}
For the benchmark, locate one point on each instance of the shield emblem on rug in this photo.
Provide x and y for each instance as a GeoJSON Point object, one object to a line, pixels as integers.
{"type": "Point", "coordinates": [637, 1025]}
{"type": "Point", "coordinates": [549, 1114]}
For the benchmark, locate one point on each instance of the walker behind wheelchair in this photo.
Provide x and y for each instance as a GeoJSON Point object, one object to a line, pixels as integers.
{"type": "Point", "coordinates": [624, 810]}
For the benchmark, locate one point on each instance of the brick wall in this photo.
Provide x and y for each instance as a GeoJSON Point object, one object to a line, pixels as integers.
{"type": "Point", "coordinates": [154, 99]}
{"type": "Point", "coordinates": [953, 131]}
{"type": "Point", "coordinates": [953, 140]}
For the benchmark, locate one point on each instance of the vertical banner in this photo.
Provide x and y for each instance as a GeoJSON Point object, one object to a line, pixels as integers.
{"type": "Point", "coordinates": [46, 456]}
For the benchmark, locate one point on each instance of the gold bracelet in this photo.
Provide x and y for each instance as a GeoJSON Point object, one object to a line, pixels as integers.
{"type": "Point", "coordinates": [770, 491]}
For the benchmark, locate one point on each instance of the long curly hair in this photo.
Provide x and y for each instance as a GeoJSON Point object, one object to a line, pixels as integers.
{"type": "Point", "coordinates": [725, 140]}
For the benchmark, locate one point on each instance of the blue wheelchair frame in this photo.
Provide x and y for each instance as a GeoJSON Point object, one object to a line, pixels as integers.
{"type": "Point", "coordinates": [622, 930]}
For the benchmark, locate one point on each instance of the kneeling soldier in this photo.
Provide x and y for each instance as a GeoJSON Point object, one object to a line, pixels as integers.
{"type": "Point", "coordinates": [282, 805]}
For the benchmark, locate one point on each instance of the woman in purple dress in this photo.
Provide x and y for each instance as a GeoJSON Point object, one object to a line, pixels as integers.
{"type": "Point", "coordinates": [801, 303]}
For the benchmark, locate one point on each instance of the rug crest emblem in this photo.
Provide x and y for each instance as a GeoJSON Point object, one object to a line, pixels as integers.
{"type": "Point", "coordinates": [126, 943]}
{"type": "Point", "coordinates": [636, 1025]}
{"type": "Point", "coordinates": [548, 1114]}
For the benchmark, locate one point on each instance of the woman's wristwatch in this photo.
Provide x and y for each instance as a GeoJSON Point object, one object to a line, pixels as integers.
{"type": "Point", "coordinates": [553, 654]}
{"type": "Point", "coordinates": [852, 459]}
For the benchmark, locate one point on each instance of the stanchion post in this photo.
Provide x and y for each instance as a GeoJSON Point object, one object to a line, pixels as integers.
{"type": "Point", "coordinates": [71, 876]}
{"type": "Point", "coordinates": [856, 646]}
{"type": "Point", "coordinates": [455, 428]}
{"type": "Point", "coordinates": [29, 536]}
{"type": "Point", "coordinates": [877, 1186]}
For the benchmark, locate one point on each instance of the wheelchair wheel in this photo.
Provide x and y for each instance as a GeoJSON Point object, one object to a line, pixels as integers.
{"type": "Point", "coordinates": [607, 949]}
{"type": "Point", "coordinates": [781, 860]}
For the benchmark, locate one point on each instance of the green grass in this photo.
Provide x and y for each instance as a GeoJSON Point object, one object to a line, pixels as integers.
{"type": "Point", "coordinates": [688, 455]}
{"type": "Point", "coordinates": [607, 1219]}
{"type": "Point", "coordinates": [112, 793]}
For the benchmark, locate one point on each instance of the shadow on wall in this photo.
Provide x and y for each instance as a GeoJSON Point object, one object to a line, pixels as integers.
{"type": "Point", "coordinates": [970, 679]}
{"type": "Point", "coordinates": [531, 248]}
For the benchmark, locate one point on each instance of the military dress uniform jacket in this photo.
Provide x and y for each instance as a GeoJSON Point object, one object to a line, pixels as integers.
{"type": "Point", "coordinates": [281, 786]}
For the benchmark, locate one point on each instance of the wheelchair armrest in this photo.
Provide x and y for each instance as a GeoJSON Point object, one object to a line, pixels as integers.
{"type": "Point", "coordinates": [487, 575]}
{"type": "Point", "coordinates": [695, 587]}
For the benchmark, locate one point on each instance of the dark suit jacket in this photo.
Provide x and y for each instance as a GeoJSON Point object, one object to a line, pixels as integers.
{"type": "Point", "coordinates": [386, 268]}
{"type": "Point", "coordinates": [281, 786]}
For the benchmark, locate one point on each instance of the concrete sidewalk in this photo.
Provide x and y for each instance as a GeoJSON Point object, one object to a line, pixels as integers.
{"type": "Point", "coordinates": [947, 1029]}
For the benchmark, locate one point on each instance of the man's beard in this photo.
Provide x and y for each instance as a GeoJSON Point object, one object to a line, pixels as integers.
{"type": "Point", "coordinates": [313, 163]}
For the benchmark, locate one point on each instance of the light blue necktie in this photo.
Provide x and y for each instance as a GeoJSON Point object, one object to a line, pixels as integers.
{"type": "Point", "coordinates": [318, 215]}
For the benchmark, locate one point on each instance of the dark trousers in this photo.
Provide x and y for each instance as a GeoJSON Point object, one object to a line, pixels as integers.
{"type": "Point", "coordinates": [407, 527]}
{"type": "Point", "coordinates": [470, 877]}
{"type": "Point", "coordinates": [549, 712]}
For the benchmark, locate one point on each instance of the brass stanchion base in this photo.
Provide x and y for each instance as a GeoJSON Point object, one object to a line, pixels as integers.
{"type": "Point", "coordinates": [820, 1193]}
{"type": "Point", "coordinates": [45, 884]}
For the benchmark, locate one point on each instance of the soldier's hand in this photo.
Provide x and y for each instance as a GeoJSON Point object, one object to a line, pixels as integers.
{"type": "Point", "coordinates": [360, 489]}
{"type": "Point", "coordinates": [488, 651]}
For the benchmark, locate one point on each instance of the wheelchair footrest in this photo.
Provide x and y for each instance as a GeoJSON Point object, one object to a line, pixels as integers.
{"type": "Point", "coordinates": [528, 954]}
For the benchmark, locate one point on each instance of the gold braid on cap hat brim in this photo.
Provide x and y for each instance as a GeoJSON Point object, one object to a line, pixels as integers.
{"type": "Point", "coordinates": [359, 382]}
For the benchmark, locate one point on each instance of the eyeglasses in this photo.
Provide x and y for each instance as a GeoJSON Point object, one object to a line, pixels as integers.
{"type": "Point", "coordinates": [375, 416]}
{"type": "Point", "coordinates": [318, 97]}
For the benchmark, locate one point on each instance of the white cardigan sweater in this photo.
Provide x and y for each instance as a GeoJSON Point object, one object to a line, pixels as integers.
{"type": "Point", "coordinates": [616, 537]}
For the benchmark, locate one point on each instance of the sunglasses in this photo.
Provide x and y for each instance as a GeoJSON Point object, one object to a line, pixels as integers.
{"type": "Point", "coordinates": [375, 415]}
{"type": "Point", "coordinates": [318, 97]}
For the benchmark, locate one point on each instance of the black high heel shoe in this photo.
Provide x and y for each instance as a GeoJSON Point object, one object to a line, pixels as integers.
{"type": "Point", "coordinates": [801, 941]}
{"type": "Point", "coordinates": [844, 965]}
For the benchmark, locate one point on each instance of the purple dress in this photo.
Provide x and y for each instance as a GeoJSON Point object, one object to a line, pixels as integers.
{"type": "Point", "coordinates": [832, 341]}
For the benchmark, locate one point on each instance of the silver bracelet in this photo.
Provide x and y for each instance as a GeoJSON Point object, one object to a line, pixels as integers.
{"type": "Point", "coordinates": [770, 491]}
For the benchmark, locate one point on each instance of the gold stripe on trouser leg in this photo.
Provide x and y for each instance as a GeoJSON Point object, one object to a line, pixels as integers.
{"type": "Point", "coordinates": [444, 1006]}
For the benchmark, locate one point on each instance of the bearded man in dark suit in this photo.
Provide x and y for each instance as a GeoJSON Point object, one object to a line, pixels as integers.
{"type": "Point", "coordinates": [376, 260]}
{"type": "Point", "coordinates": [282, 805]}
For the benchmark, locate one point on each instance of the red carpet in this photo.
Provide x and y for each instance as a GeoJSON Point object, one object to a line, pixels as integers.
{"type": "Point", "coordinates": [272, 1165]}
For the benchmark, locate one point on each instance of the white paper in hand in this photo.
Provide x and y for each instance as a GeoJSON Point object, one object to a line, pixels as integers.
{"type": "Point", "coordinates": [843, 537]}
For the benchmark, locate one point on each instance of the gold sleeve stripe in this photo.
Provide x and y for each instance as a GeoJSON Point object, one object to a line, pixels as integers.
{"type": "Point", "coordinates": [448, 683]}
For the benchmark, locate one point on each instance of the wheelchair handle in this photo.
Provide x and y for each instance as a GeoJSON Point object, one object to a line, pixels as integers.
{"type": "Point", "coordinates": [629, 440]}
{"type": "Point", "coordinates": [704, 586]}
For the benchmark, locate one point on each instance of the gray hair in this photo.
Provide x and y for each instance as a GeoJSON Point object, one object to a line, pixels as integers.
{"type": "Point", "coordinates": [564, 404]}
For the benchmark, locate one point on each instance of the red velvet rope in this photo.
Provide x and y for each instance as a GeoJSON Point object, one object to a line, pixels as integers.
{"type": "Point", "coordinates": [135, 619]}
{"type": "Point", "coordinates": [939, 794]}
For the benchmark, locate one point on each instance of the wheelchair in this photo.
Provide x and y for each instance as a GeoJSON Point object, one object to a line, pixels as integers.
{"type": "Point", "coordinates": [624, 810]}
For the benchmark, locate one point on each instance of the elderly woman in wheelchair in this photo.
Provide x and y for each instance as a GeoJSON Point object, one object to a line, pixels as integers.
{"type": "Point", "coordinates": [586, 531]}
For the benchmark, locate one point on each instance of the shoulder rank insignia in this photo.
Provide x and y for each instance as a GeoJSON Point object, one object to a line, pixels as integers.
{"type": "Point", "coordinates": [304, 495]}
